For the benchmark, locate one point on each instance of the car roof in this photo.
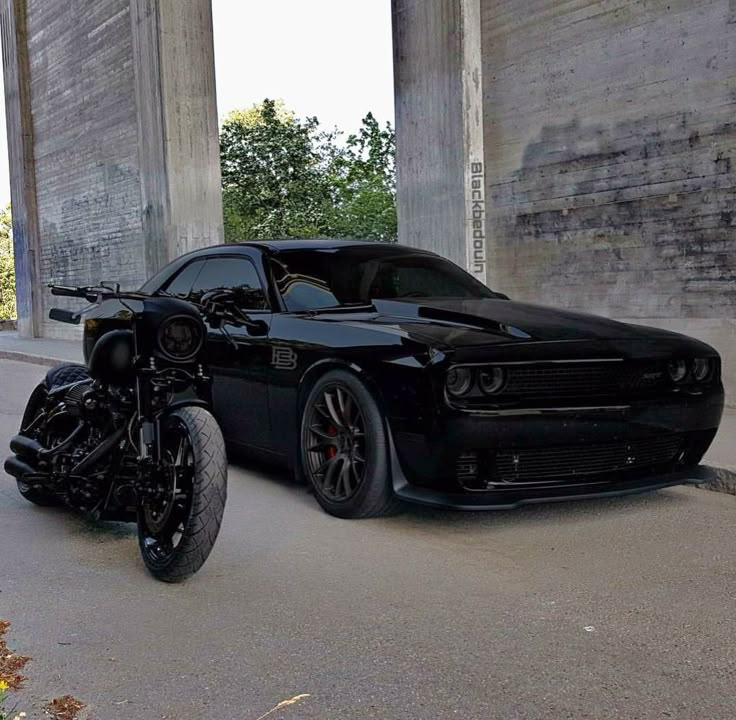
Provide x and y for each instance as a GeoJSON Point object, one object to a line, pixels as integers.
{"type": "Point", "coordinates": [273, 247]}
{"type": "Point", "coordinates": [318, 244]}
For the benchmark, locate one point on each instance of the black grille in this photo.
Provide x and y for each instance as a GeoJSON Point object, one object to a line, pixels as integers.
{"type": "Point", "coordinates": [584, 379]}
{"type": "Point", "coordinates": [570, 465]}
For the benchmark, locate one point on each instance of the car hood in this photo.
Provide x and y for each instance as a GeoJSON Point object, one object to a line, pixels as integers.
{"type": "Point", "coordinates": [489, 321]}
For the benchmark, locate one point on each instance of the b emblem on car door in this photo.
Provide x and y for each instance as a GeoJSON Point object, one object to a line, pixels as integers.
{"type": "Point", "coordinates": [283, 358]}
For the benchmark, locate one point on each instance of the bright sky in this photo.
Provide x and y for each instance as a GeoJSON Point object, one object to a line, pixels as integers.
{"type": "Point", "coordinates": [329, 58]}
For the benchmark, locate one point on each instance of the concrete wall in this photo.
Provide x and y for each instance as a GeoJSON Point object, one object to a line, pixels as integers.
{"type": "Point", "coordinates": [117, 105]}
{"type": "Point", "coordinates": [609, 144]}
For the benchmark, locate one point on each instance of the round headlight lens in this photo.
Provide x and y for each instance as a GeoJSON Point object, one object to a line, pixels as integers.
{"type": "Point", "coordinates": [180, 338]}
{"type": "Point", "coordinates": [459, 381]}
{"type": "Point", "coordinates": [492, 380]}
{"type": "Point", "coordinates": [702, 369]}
{"type": "Point", "coordinates": [677, 370]}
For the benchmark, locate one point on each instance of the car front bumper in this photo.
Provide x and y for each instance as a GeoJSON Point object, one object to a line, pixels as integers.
{"type": "Point", "coordinates": [426, 466]}
{"type": "Point", "coordinates": [509, 499]}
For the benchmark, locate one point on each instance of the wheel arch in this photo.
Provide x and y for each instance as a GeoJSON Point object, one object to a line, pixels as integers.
{"type": "Point", "coordinates": [322, 367]}
{"type": "Point", "coordinates": [310, 378]}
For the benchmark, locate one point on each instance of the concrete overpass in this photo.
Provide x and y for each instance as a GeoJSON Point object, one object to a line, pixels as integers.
{"type": "Point", "coordinates": [578, 153]}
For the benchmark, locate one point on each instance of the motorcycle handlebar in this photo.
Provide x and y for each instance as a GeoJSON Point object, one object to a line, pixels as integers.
{"type": "Point", "coordinates": [67, 291]}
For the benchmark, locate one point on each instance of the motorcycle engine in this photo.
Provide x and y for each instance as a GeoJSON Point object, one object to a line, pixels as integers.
{"type": "Point", "coordinates": [82, 400]}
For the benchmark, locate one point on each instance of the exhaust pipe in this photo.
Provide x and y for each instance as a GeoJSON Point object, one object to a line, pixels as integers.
{"type": "Point", "coordinates": [18, 469]}
{"type": "Point", "coordinates": [26, 447]}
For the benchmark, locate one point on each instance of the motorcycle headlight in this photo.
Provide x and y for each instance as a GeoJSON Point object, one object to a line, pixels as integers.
{"type": "Point", "coordinates": [180, 338]}
{"type": "Point", "coordinates": [459, 381]}
{"type": "Point", "coordinates": [702, 369]}
{"type": "Point", "coordinates": [492, 380]}
{"type": "Point", "coordinates": [677, 370]}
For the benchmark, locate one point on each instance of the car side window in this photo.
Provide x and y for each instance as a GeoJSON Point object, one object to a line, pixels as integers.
{"type": "Point", "coordinates": [231, 273]}
{"type": "Point", "coordinates": [181, 284]}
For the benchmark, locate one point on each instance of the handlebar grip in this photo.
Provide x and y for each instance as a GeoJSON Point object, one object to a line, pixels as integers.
{"type": "Point", "coordinates": [66, 291]}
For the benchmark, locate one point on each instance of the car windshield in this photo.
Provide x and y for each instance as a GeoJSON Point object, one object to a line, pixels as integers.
{"type": "Point", "coordinates": [313, 279]}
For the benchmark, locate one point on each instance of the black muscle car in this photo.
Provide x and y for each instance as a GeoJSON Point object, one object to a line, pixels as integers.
{"type": "Point", "coordinates": [382, 373]}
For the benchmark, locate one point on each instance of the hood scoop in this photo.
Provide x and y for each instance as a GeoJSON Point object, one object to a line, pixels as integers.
{"type": "Point", "coordinates": [435, 314]}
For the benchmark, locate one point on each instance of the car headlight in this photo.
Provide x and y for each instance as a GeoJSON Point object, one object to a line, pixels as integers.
{"type": "Point", "coordinates": [677, 370]}
{"type": "Point", "coordinates": [702, 369]}
{"type": "Point", "coordinates": [492, 380]}
{"type": "Point", "coordinates": [180, 338]}
{"type": "Point", "coordinates": [459, 381]}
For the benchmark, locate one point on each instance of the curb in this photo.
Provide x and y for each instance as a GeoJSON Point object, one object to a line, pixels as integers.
{"type": "Point", "coordinates": [32, 359]}
{"type": "Point", "coordinates": [725, 481]}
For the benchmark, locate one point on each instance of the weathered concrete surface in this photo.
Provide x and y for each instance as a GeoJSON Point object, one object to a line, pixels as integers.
{"type": "Point", "coordinates": [609, 144]}
{"type": "Point", "coordinates": [610, 147]}
{"type": "Point", "coordinates": [430, 161]}
{"type": "Point", "coordinates": [118, 164]}
{"type": "Point", "coordinates": [618, 608]}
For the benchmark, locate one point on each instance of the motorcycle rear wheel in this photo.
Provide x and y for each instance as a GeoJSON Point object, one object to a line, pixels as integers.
{"type": "Point", "coordinates": [36, 495]}
{"type": "Point", "coordinates": [176, 533]}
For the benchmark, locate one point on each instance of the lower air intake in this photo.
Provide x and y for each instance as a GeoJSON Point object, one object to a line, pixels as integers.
{"type": "Point", "coordinates": [571, 465]}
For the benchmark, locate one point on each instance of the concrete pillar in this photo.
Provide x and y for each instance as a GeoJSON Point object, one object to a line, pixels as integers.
{"type": "Point", "coordinates": [22, 176]}
{"type": "Point", "coordinates": [439, 129]}
{"type": "Point", "coordinates": [113, 136]}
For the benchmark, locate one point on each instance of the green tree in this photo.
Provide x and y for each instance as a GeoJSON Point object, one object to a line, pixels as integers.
{"type": "Point", "coordinates": [7, 267]}
{"type": "Point", "coordinates": [284, 177]}
{"type": "Point", "coordinates": [273, 174]}
{"type": "Point", "coordinates": [364, 180]}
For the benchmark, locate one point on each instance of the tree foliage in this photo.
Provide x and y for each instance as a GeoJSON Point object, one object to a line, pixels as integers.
{"type": "Point", "coordinates": [273, 174]}
{"type": "Point", "coordinates": [363, 176]}
{"type": "Point", "coordinates": [7, 269]}
{"type": "Point", "coordinates": [286, 177]}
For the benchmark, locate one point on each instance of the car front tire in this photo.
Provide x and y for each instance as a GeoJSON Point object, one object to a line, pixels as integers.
{"type": "Point", "coordinates": [344, 449]}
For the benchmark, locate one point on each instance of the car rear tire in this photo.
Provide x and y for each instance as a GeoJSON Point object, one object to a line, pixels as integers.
{"type": "Point", "coordinates": [344, 449]}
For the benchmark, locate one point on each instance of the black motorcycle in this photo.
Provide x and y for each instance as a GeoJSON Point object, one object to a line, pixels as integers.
{"type": "Point", "coordinates": [130, 436]}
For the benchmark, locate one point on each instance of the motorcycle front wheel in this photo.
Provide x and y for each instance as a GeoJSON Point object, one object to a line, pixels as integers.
{"type": "Point", "coordinates": [177, 531]}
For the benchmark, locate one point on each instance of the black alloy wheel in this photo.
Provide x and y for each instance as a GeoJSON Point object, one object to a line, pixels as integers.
{"type": "Point", "coordinates": [336, 443]}
{"type": "Point", "coordinates": [344, 450]}
{"type": "Point", "coordinates": [164, 517]}
{"type": "Point", "coordinates": [178, 527]}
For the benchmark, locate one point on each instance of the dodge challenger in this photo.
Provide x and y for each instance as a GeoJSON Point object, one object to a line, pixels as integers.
{"type": "Point", "coordinates": [382, 374]}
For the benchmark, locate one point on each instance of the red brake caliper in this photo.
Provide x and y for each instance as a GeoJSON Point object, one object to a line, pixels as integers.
{"type": "Point", "coordinates": [332, 450]}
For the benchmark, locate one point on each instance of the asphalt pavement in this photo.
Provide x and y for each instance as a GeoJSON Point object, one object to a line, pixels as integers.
{"type": "Point", "coordinates": [622, 608]}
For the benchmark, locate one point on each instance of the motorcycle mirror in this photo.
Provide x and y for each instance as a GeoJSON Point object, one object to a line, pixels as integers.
{"type": "Point", "coordinates": [65, 316]}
